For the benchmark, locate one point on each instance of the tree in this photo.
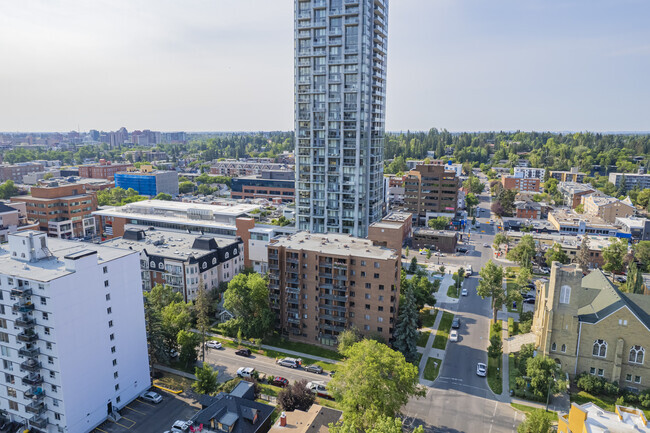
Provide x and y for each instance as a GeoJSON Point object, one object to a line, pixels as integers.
{"type": "Point", "coordinates": [422, 289]}
{"type": "Point", "coordinates": [188, 341]}
{"type": "Point", "coordinates": [471, 201]}
{"type": "Point", "coordinates": [175, 317]}
{"type": "Point", "coordinates": [643, 198]}
{"type": "Point", "coordinates": [413, 267]}
{"type": "Point", "coordinates": [474, 185]}
{"type": "Point", "coordinates": [642, 254]}
{"type": "Point", "coordinates": [497, 209]}
{"type": "Point", "coordinates": [556, 254]}
{"type": "Point", "coordinates": [613, 255]}
{"type": "Point", "coordinates": [428, 253]}
{"type": "Point", "coordinates": [537, 421]}
{"type": "Point", "coordinates": [523, 277]}
{"type": "Point", "coordinates": [580, 208]}
{"type": "Point", "coordinates": [347, 339]}
{"type": "Point", "coordinates": [185, 187]}
{"type": "Point", "coordinates": [524, 252]}
{"type": "Point", "coordinates": [206, 380]}
{"type": "Point", "coordinates": [490, 284]}
{"type": "Point", "coordinates": [163, 196]}
{"type": "Point", "coordinates": [634, 282]}
{"type": "Point", "coordinates": [439, 223]}
{"type": "Point", "coordinates": [407, 251]}
{"type": "Point", "coordinates": [8, 190]}
{"type": "Point", "coordinates": [383, 424]}
{"type": "Point", "coordinates": [247, 297]}
{"type": "Point", "coordinates": [374, 381]}
{"type": "Point", "coordinates": [541, 371]}
{"type": "Point", "coordinates": [406, 332]}
{"type": "Point", "coordinates": [156, 347]}
{"type": "Point", "coordinates": [201, 309]}
{"type": "Point", "coordinates": [48, 176]}
{"type": "Point", "coordinates": [506, 198]}
{"type": "Point", "coordinates": [583, 257]}
{"type": "Point", "coordinates": [499, 239]}
{"type": "Point", "coordinates": [296, 396]}
{"type": "Point", "coordinates": [494, 349]}
{"type": "Point", "coordinates": [622, 190]}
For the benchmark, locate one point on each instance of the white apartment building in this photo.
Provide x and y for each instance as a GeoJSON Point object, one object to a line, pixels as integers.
{"type": "Point", "coordinates": [340, 91]}
{"type": "Point", "coordinates": [72, 332]}
{"type": "Point", "coordinates": [530, 173]}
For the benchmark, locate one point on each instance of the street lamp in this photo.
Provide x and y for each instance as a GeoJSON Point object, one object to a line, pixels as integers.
{"type": "Point", "coordinates": [548, 392]}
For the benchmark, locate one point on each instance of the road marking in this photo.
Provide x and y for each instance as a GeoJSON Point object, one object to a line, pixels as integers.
{"type": "Point", "coordinates": [144, 402]}
{"type": "Point", "coordinates": [136, 411]}
{"type": "Point", "coordinates": [495, 409]}
{"type": "Point", "coordinates": [97, 428]}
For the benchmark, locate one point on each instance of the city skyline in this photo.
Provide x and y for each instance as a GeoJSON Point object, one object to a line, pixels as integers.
{"type": "Point", "coordinates": [195, 67]}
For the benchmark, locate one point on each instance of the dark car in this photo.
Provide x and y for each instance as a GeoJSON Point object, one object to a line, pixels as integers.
{"type": "Point", "coordinates": [531, 286]}
{"type": "Point", "coordinates": [529, 301]}
{"type": "Point", "coordinates": [243, 352]}
{"type": "Point", "coordinates": [314, 368]}
{"type": "Point", "coordinates": [279, 381]}
{"type": "Point", "coordinates": [455, 323]}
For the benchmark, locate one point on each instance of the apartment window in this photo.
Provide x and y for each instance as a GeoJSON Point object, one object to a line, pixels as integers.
{"type": "Point", "coordinates": [117, 400]}
{"type": "Point", "coordinates": [601, 372]}
{"type": "Point", "coordinates": [109, 310]}
{"type": "Point", "coordinates": [110, 323]}
{"type": "Point", "coordinates": [3, 323]}
{"type": "Point", "coordinates": [367, 317]}
{"type": "Point", "coordinates": [381, 298]}
{"type": "Point", "coordinates": [380, 319]}
{"type": "Point", "coordinates": [377, 265]}
{"type": "Point", "coordinates": [55, 402]}
{"type": "Point", "coordinates": [380, 308]}
{"type": "Point", "coordinates": [9, 378]}
{"type": "Point", "coordinates": [380, 329]}
{"type": "Point", "coordinates": [47, 331]}
{"type": "Point", "coordinates": [628, 377]}
{"type": "Point", "coordinates": [377, 276]}
{"type": "Point", "coordinates": [54, 388]}
{"type": "Point", "coordinates": [105, 269]}
{"type": "Point", "coordinates": [367, 306]}
{"type": "Point", "coordinates": [48, 345]}
{"type": "Point", "coordinates": [108, 296]}
{"type": "Point", "coordinates": [363, 273]}
{"type": "Point", "coordinates": [381, 287]}
{"type": "Point", "coordinates": [115, 375]}
{"type": "Point", "coordinates": [117, 387]}
{"type": "Point", "coordinates": [4, 337]}
{"type": "Point", "coordinates": [636, 354]}
{"type": "Point", "coordinates": [57, 416]}
{"type": "Point", "coordinates": [41, 286]}
{"type": "Point", "coordinates": [13, 405]}
{"type": "Point", "coordinates": [592, 370]}
{"type": "Point", "coordinates": [366, 327]}
{"type": "Point", "coordinates": [52, 374]}
{"type": "Point", "coordinates": [50, 360]}
{"type": "Point", "coordinates": [114, 362]}
{"type": "Point", "coordinates": [637, 379]}
{"type": "Point", "coordinates": [363, 263]}
{"type": "Point", "coordinates": [106, 283]}
{"type": "Point", "coordinates": [600, 348]}
{"type": "Point", "coordinates": [43, 301]}
{"type": "Point", "coordinates": [367, 295]}
{"type": "Point", "coordinates": [113, 349]}
{"type": "Point", "coordinates": [11, 392]}
{"type": "Point", "coordinates": [46, 316]}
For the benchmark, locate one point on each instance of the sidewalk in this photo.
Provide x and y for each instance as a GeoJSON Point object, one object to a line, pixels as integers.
{"type": "Point", "coordinates": [276, 349]}
{"type": "Point", "coordinates": [559, 403]}
{"type": "Point", "coordinates": [428, 349]}
{"type": "Point", "coordinates": [174, 371]}
{"type": "Point", "coordinates": [441, 294]}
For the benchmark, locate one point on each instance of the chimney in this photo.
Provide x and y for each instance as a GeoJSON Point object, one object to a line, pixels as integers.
{"type": "Point", "coordinates": [283, 420]}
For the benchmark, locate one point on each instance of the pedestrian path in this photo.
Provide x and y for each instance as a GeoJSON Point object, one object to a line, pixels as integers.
{"type": "Point", "coordinates": [429, 348]}
{"type": "Point", "coordinates": [513, 344]}
{"type": "Point", "coordinates": [441, 294]}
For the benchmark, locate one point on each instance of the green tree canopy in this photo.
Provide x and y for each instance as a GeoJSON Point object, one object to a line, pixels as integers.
{"type": "Point", "coordinates": [383, 424]}
{"type": "Point", "coordinates": [474, 185]}
{"type": "Point", "coordinates": [556, 254]}
{"type": "Point", "coordinates": [247, 297]}
{"type": "Point", "coordinates": [188, 342]}
{"type": "Point", "coordinates": [614, 255]}
{"type": "Point", "coordinates": [583, 258]}
{"type": "Point", "coordinates": [206, 380]}
{"type": "Point", "coordinates": [541, 371]}
{"type": "Point", "coordinates": [163, 196]}
{"type": "Point", "coordinates": [406, 332]}
{"type": "Point", "coordinates": [439, 223]}
{"type": "Point", "coordinates": [524, 252]}
{"type": "Point", "coordinates": [642, 254]}
{"type": "Point", "coordinates": [8, 190]}
{"type": "Point", "coordinates": [490, 284]}
{"type": "Point", "coordinates": [536, 421]}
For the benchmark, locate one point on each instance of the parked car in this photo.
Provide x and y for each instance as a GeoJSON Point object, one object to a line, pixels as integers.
{"type": "Point", "coordinates": [455, 324]}
{"type": "Point", "coordinates": [314, 368]}
{"type": "Point", "coordinates": [213, 344]}
{"type": "Point", "coordinates": [481, 369]}
{"type": "Point", "coordinates": [486, 246]}
{"type": "Point", "coordinates": [151, 397]}
{"type": "Point", "coordinates": [453, 335]}
{"type": "Point", "coordinates": [319, 388]}
{"type": "Point", "coordinates": [181, 426]}
{"type": "Point", "coordinates": [245, 372]}
{"type": "Point", "coordinates": [173, 353]}
{"type": "Point", "coordinates": [463, 292]}
{"type": "Point", "coordinates": [531, 286]}
{"type": "Point", "coordinates": [243, 352]}
{"type": "Point", "coordinates": [279, 381]}
{"type": "Point", "coordinates": [469, 271]}
{"type": "Point", "coordinates": [289, 362]}
{"type": "Point", "coordinates": [529, 301]}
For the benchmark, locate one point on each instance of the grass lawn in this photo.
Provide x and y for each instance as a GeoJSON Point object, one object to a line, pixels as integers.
{"type": "Point", "coordinates": [512, 371]}
{"type": "Point", "coordinates": [494, 376]}
{"type": "Point", "coordinates": [309, 349]}
{"type": "Point", "coordinates": [427, 318]}
{"type": "Point", "coordinates": [440, 342]}
{"type": "Point", "coordinates": [551, 415]}
{"type": "Point", "coordinates": [510, 285]}
{"type": "Point", "coordinates": [174, 382]}
{"type": "Point", "coordinates": [327, 403]}
{"type": "Point", "coordinates": [452, 291]}
{"type": "Point", "coordinates": [424, 337]}
{"type": "Point", "coordinates": [603, 401]}
{"type": "Point", "coordinates": [432, 368]}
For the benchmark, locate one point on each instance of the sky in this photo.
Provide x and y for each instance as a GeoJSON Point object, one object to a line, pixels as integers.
{"type": "Point", "coordinates": [227, 65]}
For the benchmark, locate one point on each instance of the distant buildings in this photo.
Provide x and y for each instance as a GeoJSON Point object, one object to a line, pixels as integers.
{"type": "Point", "coordinates": [394, 188]}
{"type": "Point", "coordinates": [13, 218]}
{"type": "Point", "coordinates": [278, 185]}
{"type": "Point", "coordinates": [430, 191]}
{"type": "Point", "coordinates": [530, 173]}
{"type": "Point", "coordinates": [149, 182]}
{"type": "Point", "coordinates": [15, 172]}
{"type": "Point", "coordinates": [183, 260]}
{"type": "Point", "coordinates": [607, 208]}
{"type": "Point", "coordinates": [632, 180]}
{"type": "Point", "coordinates": [74, 340]}
{"type": "Point", "coordinates": [102, 170]}
{"type": "Point", "coordinates": [247, 167]}
{"type": "Point", "coordinates": [573, 192]}
{"type": "Point", "coordinates": [638, 229]}
{"type": "Point", "coordinates": [570, 222]}
{"type": "Point", "coordinates": [522, 184]}
{"type": "Point", "coordinates": [62, 209]}
{"type": "Point", "coordinates": [568, 176]}
{"type": "Point", "coordinates": [316, 420]}
{"type": "Point", "coordinates": [322, 284]}
{"type": "Point", "coordinates": [145, 155]}
{"type": "Point", "coordinates": [528, 209]}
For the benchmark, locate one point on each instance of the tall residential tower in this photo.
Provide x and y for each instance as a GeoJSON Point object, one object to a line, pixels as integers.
{"type": "Point", "coordinates": [340, 94]}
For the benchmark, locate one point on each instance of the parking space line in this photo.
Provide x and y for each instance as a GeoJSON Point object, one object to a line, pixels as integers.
{"type": "Point", "coordinates": [136, 411]}
{"type": "Point", "coordinates": [97, 428]}
{"type": "Point", "coordinates": [144, 402]}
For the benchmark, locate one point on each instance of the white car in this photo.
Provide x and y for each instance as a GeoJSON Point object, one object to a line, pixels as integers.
{"type": "Point", "coordinates": [319, 388]}
{"type": "Point", "coordinates": [463, 292]}
{"type": "Point", "coordinates": [453, 335]}
{"type": "Point", "coordinates": [481, 369]}
{"type": "Point", "coordinates": [245, 371]}
{"type": "Point", "coordinates": [151, 397]}
{"type": "Point", "coordinates": [181, 426]}
{"type": "Point", "coordinates": [486, 246]}
{"type": "Point", "coordinates": [213, 344]}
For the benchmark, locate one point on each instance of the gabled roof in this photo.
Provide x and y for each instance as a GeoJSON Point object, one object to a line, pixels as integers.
{"type": "Point", "coordinates": [4, 208]}
{"type": "Point", "coordinates": [247, 415]}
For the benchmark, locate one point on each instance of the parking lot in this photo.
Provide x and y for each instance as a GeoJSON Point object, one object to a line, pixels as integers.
{"type": "Point", "coordinates": [143, 417]}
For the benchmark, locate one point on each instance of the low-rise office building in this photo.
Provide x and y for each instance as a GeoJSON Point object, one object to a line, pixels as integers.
{"type": "Point", "coordinates": [183, 260]}
{"type": "Point", "coordinates": [435, 240]}
{"type": "Point", "coordinates": [392, 231]}
{"type": "Point", "coordinates": [430, 191]}
{"type": "Point", "coordinates": [149, 182]}
{"type": "Point", "coordinates": [271, 185]}
{"type": "Point", "coordinates": [235, 167]}
{"type": "Point", "coordinates": [323, 284]}
{"type": "Point", "coordinates": [638, 229]}
{"type": "Point", "coordinates": [16, 172]}
{"type": "Point", "coordinates": [569, 222]}
{"type": "Point", "coordinates": [13, 218]}
{"type": "Point", "coordinates": [607, 208]}
{"type": "Point", "coordinates": [74, 340]}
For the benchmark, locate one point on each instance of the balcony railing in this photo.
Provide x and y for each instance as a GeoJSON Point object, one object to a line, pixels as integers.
{"type": "Point", "coordinates": [38, 421]}
{"type": "Point", "coordinates": [27, 336]}
{"type": "Point", "coordinates": [30, 365]}
{"type": "Point", "coordinates": [36, 407]}
{"type": "Point", "coordinates": [29, 352]}
{"type": "Point", "coordinates": [22, 292]}
{"type": "Point", "coordinates": [25, 322]}
{"type": "Point", "coordinates": [21, 307]}
{"type": "Point", "coordinates": [36, 393]}
{"type": "Point", "coordinates": [33, 379]}
{"type": "Point", "coordinates": [329, 327]}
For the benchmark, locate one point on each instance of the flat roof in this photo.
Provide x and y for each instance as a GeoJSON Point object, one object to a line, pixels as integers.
{"type": "Point", "coordinates": [595, 242]}
{"type": "Point", "coordinates": [335, 244]}
{"type": "Point", "coordinates": [566, 217]}
{"type": "Point", "coordinates": [65, 197]}
{"type": "Point", "coordinates": [48, 269]}
{"type": "Point", "coordinates": [167, 243]}
{"type": "Point", "coordinates": [428, 231]}
{"type": "Point", "coordinates": [386, 225]}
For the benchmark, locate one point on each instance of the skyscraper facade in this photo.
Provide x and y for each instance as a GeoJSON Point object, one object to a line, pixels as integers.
{"type": "Point", "coordinates": [340, 94]}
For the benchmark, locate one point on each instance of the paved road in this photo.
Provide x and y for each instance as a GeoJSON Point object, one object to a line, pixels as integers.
{"type": "Point", "coordinates": [227, 363]}
{"type": "Point", "coordinates": [461, 401]}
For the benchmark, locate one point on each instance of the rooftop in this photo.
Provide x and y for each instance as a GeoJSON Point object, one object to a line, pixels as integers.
{"type": "Point", "coordinates": [316, 420]}
{"type": "Point", "coordinates": [335, 244]}
{"type": "Point", "coordinates": [385, 225]}
{"type": "Point", "coordinates": [428, 231]}
{"type": "Point", "coordinates": [575, 187]}
{"type": "Point", "coordinates": [569, 241]}
{"type": "Point", "coordinates": [397, 217]}
{"type": "Point", "coordinates": [571, 218]}
{"type": "Point", "coordinates": [602, 421]}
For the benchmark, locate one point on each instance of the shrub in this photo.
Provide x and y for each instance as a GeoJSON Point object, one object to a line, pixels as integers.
{"type": "Point", "coordinates": [610, 388]}
{"type": "Point", "coordinates": [524, 316]}
{"type": "Point", "coordinates": [524, 327]}
{"type": "Point", "coordinates": [496, 327]}
{"type": "Point", "coordinates": [296, 396]}
{"type": "Point", "coordinates": [589, 383]}
{"type": "Point", "coordinates": [511, 326]}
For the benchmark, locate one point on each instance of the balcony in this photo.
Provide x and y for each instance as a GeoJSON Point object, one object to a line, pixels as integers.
{"type": "Point", "coordinates": [38, 421]}
{"type": "Point", "coordinates": [29, 352]}
{"type": "Point", "coordinates": [30, 365]}
{"type": "Point", "coordinates": [22, 307]}
{"type": "Point", "coordinates": [292, 319]}
{"type": "Point", "coordinates": [21, 292]}
{"type": "Point", "coordinates": [36, 393]}
{"type": "Point", "coordinates": [33, 379]}
{"type": "Point", "coordinates": [293, 290]}
{"type": "Point", "coordinates": [333, 297]}
{"type": "Point", "coordinates": [329, 327]}
{"type": "Point", "coordinates": [25, 322]}
{"type": "Point", "coordinates": [328, 308]}
{"type": "Point", "coordinates": [339, 319]}
{"type": "Point", "coordinates": [27, 336]}
{"type": "Point", "coordinates": [293, 260]}
{"type": "Point", "coordinates": [36, 407]}
{"type": "Point", "coordinates": [341, 277]}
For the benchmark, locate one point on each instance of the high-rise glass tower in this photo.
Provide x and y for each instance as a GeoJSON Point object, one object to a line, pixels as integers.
{"type": "Point", "coordinates": [340, 94]}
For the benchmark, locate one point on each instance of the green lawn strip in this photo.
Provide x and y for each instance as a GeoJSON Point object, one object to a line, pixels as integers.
{"type": "Point", "coordinates": [494, 379]}
{"type": "Point", "coordinates": [442, 335]}
{"type": "Point", "coordinates": [512, 371]}
{"type": "Point", "coordinates": [432, 368]}
{"type": "Point", "coordinates": [327, 403]}
{"type": "Point", "coordinates": [551, 415]}
{"type": "Point", "coordinates": [423, 338]}
{"type": "Point", "coordinates": [269, 389]}
{"type": "Point", "coordinates": [452, 291]}
{"type": "Point", "coordinates": [309, 349]}
{"type": "Point", "coordinates": [427, 318]}
{"type": "Point", "coordinates": [605, 402]}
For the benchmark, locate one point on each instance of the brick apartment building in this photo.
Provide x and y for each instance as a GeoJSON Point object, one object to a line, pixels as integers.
{"type": "Point", "coordinates": [323, 284]}
{"type": "Point", "coordinates": [15, 172]}
{"type": "Point", "coordinates": [528, 209]}
{"type": "Point", "coordinates": [62, 210]}
{"type": "Point", "coordinates": [430, 191]}
{"type": "Point", "coordinates": [102, 170]}
{"type": "Point", "coordinates": [392, 230]}
{"type": "Point", "coordinates": [523, 184]}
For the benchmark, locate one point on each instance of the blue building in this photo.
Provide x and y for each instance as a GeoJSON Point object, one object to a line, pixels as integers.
{"type": "Point", "coordinates": [149, 183]}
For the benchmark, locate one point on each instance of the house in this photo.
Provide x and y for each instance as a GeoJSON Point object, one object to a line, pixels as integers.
{"type": "Point", "coordinates": [315, 420]}
{"type": "Point", "coordinates": [591, 418]}
{"type": "Point", "coordinates": [528, 209]}
{"type": "Point", "coordinates": [587, 325]}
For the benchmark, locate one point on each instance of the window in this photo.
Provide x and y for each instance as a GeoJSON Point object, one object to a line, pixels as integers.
{"type": "Point", "coordinates": [50, 360]}
{"type": "Point", "coordinates": [377, 276]}
{"type": "Point", "coordinates": [55, 402]}
{"type": "Point", "coordinates": [553, 347]}
{"type": "Point", "coordinates": [363, 263]}
{"type": "Point", "coordinates": [636, 354]}
{"type": "Point", "coordinates": [48, 345]}
{"type": "Point", "coordinates": [117, 387]}
{"type": "Point", "coordinates": [106, 283]}
{"type": "Point", "coordinates": [108, 296]}
{"type": "Point", "coordinates": [601, 372]}
{"type": "Point", "coordinates": [381, 287]}
{"type": "Point", "coordinates": [380, 319]}
{"type": "Point", "coordinates": [47, 331]}
{"type": "Point", "coordinates": [563, 348]}
{"type": "Point", "coordinates": [115, 375]}
{"type": "Point", "coordinates": [377, 265]}
{"type": "Point", "coordinates": [600, 348]}
{"type": "Point", "coordinates": [11, 392]}
{"type": "Point", "coordinates": [13, 405]}
{"type": "Point", "coordinates": [105, 269]}
{"type": "Point", "coordinates": [363, 273]}
{"type": "Point", "coordinates": [46, 316]}
{"type": "Point", "coordinates": [565, 294]}
{"type": "Point", "coordinates": [110, 323]}
{"type": "Point", "coordinates": [367, 295]}
{"type": "Point", "coordinates": [109, 310]}
{"type": "Point", "coordinates": [592, 370]}
{"type": "Point", "coordinates": [52, 374]}
{"type": "Point", "coordinates": [57, 416]}
{"type": "Point", "coordinates": [366, 327]}
{"type": "Point", "coordinates": [4, 337]}
{"type": "Point", "coordinates": [637, 379]}
{"type": "Point", "coordinates": [628, 377]}
{"type": "Point", "coordinates": [112, 337]}
{"type": "Point", "coordinates": [114, 362]}
{"type": "Point", "coordinates": [113, 349]}
{"type": "Point", "coordinates": [367, 317]}
{"type": "Point", "coordinates": [54, 388]}
{"type": "Point", "coordinates": [43, 301]}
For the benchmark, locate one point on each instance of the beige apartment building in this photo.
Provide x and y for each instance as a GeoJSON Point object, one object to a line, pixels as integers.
{"type": "Point", "coordinates": [608, 208]}
{"type": "Point", "coordinates": [587, 325]}
{"type": "Point", "coordinates": [323, 284]}
{"type": "Point", "coordinates": [430, 191]}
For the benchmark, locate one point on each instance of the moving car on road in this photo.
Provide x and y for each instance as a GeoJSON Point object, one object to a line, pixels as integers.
{"type": "Point", "coordinates": [455, 324]}
{"type": "Point", "coordinates": [481, 369]}
{"type": "Point", "coordinates": [151, 397]}
{"type": "Point", "coordinates": [468, 271]}
{"type": "Point", "coordinates": [243, 352]}
{"type": "Point", "coordinates": [453, 335]}
{"type": "Point", "coordinates": [213, 344]}
{"type": "Point", "coordinates": [463, 292]}
{"type": "Point", "coordinates": [486, 246]}
{"type": "Point", "coordinates": [314, 368]}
